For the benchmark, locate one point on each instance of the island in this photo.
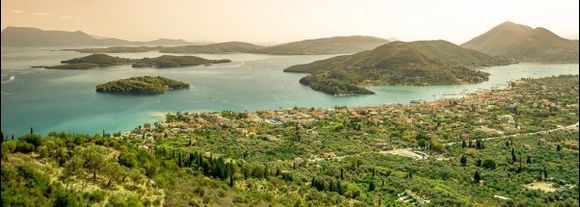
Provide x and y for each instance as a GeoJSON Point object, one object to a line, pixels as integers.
{"type": "Point", "coordinates": [171, 61]}
{"type": "Point", "coordinates": [418, 63]}
{"type": "Point", "coordinates": [104, 60]}
{"type": "Point", "coordinates": [146, 85]}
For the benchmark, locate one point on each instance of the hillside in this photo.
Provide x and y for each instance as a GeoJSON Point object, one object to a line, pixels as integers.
{"type": "Point", "coordinates": [426, 154]}
{"type": "Point", "coordinates": [324, 46]}
{"type": "Point", "coordinates": [216, 48]}
{"type": "Point", "coordinates": [171, 61]}
{"type": "Point", "coordinates": [525, 43]}
{"type": "Point", "coordinates": [398, 63]}
{"type": "Point", "coordinates": [27, 36]}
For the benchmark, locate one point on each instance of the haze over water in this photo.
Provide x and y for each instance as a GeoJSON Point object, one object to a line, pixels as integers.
{"type": "Point", "coordinates": [65, 100]}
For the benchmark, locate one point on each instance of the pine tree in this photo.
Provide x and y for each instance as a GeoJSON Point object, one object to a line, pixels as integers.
{"type": "Point", "coordinates": [463, 144]}
{"type": "Point", "coordinates": [32, 132]}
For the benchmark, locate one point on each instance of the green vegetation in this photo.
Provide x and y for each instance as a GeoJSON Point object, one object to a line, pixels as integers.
{"type": "Point", "coordinates": [397, 63]}
{"type": "Point", "coordinates": [145, 85]}
{"type": "Point", "coordinates": [103, 60]}
{"type": "Point", "coordinates": [526, 44]}
{"type": "Point", "coordinates": [456, 152]}
{"type": "Point", "coordinates": [169, 61]}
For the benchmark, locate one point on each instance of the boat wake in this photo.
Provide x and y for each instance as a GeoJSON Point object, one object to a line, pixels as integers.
{"type": "Point", "coordinates": [8, 80]}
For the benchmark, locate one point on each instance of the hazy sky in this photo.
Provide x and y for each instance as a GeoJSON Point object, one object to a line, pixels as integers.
{"type": "Point", "coordinates": [280, 21]}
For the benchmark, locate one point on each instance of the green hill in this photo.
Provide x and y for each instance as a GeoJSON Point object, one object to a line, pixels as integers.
{"type": "Point", "coordinates": [145, 85]}
{"type": "Point", "coordinates": [170, 61]}
{"type": "Point", "coordinates": [525, 43]}
{"type": "Point", "coordinates": [103, 60]}
{"type": "Point", "coordinates": [398, 63]}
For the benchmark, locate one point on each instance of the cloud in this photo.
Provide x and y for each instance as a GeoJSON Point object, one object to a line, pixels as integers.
{"type": "Point", "coordinates": [64, 17]}
{"type": "Point", "coordinates": [40, 13]}
{"type": "Point", "coordinates": [17, 11]}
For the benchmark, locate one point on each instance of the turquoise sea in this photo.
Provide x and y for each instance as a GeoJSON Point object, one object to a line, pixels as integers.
{"type": "Point", "coordinates": [65, 100]}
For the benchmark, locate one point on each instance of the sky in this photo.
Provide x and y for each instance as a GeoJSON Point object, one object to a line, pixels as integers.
{"type": "Point", "coordinates": [269, 21]}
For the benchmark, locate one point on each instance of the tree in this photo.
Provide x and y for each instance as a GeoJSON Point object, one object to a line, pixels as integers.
{"type": "Point", "coordinates": [558, 147]}
{"type": "Point", "coordinates": [476, 177]}
{"type": "Point", "coordinates": [489, 164]}
{"type": "Point", "coordinates": [232, 182]}
{"type": "Point", "coordinates": [529, 159]}
{"type": "Point", "coordinates": [514, 158]}
{"type": "Point", "coordinates": [545, 173]}
{"type": "Point", "coordinates": [463, 144]}
{"type": "Point", "coordinates": [372, 186]}
{"type": "Point", "coordinates": [463, 160]}
{"type": "Point", "coordinates": [31, 130]}
{"type": "Point", "coordinates": [94, 159]}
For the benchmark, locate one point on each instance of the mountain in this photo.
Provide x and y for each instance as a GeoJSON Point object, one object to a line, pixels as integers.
{"type": "Point", "coordinates": [398, 63]}
{"type": "Point", "coordinates": [322, 46]}
{"type": "Point", "coordinates": [26, 36]}
{"type": "Point", "coordinates": [525, 43]}
{"type": "Point", "coordinates": [325, 46]}
{"type": "Point", "coordinates": [223, 47]}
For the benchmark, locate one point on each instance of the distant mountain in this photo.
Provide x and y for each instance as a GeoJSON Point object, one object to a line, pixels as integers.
{"type": "Point", "coordinates": [26, 36]}
{"type": "Point", "coordinates": [325, 46]}
{"type": "Point", "coordinates": [223, 47]}
{"type": "Point", "coordinates": [397, 63]}
{"type": "Point", "coordinates": [322, 46]}
{"type": "Point", "coordinates": [525, 43]}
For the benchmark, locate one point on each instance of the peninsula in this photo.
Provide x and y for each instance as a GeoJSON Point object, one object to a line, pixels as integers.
{"type": "Point", "coordinates": [398, 63]}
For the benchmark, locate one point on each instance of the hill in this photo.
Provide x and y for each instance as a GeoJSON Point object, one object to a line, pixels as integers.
{"type": "Point", "coordinates": [525, 43]}
{"type": "Point", "coordinates": [103, 60]}
{"type": "Point", "coordinates": [216, 48]}
{"type": "Point", "coordinates": [27, 36]}
{"type": "Point", "coordinates": [171, 61]}
{"type": "Point", "coordinates": [322, 46]}
{"type": "Point", "coordinates": [397, 63]}
{"type": "Point", "coordinates": [145, 85]}
{"type": "Point", "coordinates": [325, 46]}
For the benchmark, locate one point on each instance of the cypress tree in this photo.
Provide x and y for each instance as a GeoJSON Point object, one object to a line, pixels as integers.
{"type": "Point", "coordinates": [463, 160]}
{"type": "Point", "coordinates": [372, 186]}
{"type": "Point", "coordinates": [476, 177]}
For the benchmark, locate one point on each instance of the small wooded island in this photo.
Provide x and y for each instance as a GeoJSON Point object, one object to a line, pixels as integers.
{"type": "Point", "coordinates": [145, 85]}
{"type": "Point", "coordinates": [103, 60]}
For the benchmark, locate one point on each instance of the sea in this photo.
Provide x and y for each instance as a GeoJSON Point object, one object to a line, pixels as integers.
{"type": "Point", "coordinates": [66, 100]}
